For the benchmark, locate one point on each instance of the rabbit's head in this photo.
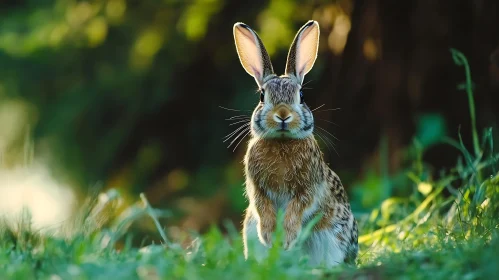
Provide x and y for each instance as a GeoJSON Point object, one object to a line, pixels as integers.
{"type": "Point", "coordinates": [281, 112]}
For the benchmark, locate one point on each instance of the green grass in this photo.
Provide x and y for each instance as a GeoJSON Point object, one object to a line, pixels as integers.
{"type": "Point", "coordinates": [454, 237]}
{"type": "Point", "coordinates": [448, 228]}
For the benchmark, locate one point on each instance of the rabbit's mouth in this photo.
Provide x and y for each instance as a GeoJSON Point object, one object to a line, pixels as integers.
{"type": "Point", "coordinates": [284, 133]}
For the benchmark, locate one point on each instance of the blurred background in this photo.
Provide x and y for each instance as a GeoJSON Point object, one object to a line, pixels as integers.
{"type": "Point", "coordinates": [126, 95]}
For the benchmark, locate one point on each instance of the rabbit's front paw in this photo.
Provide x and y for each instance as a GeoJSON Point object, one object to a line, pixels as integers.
{"type": "Point", "coordinates": [292, 232]}
{"type": "Point", "coordinates": [265, 230]}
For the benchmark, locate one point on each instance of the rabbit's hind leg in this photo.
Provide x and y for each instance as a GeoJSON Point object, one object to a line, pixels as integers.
{"type": "Point", "coordinates": [325, 248]}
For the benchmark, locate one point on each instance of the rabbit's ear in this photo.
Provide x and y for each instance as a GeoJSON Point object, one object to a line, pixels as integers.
{"type": "Point", "coordinates": [252, 53]}
{"type": "Point", "coordinates": [303, 51]}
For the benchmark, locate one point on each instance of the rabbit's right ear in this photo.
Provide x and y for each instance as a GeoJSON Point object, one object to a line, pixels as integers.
{"type": "Point", "coordinates": [303, 51]}
{"type": "Point", "coordinates": [252, 53]}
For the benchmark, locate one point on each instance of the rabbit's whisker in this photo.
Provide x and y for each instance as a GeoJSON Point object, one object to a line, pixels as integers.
{"type": "Point", "coordinates": [316, 133]}
{"type": "Point", "coordinates": [317, 108]}
{"type": "Point", "coordinates": [327, 132]}
{"type": "Point", "coordinates": [306, 83]}
{"type": "Point", "coordinates": [333, 109]}
{"type": "Point", "coordinates": [245, 120]}
{"type": "Point", "coordinates": [238, 120]}
{"type": "Point", "coordinates": [239, 135]}
{"type": "Point", "coordinates": [326, 140]}
{"type": "Point", "coordinates": [328, 121]}
{"type": "Point", "coordinates": [241, 140]}
{"type": "Point", "coordinates": [228, 137]}
{"type": "Point", "coordinates": [237, 117]}
{"type": "Point", "coordinates": [325, 137]}
{"type": "Point", "coordinates": [235, 131]}
{"type": "Point", "coordinates": [236, 110]}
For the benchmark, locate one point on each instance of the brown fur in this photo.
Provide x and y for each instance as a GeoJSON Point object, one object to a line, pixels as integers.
{"type": "Point", "coordinates": [293, 167]}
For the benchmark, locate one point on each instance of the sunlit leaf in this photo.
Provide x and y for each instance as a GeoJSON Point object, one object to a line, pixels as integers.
{"type": "Point", "coordinates": [425, 188]}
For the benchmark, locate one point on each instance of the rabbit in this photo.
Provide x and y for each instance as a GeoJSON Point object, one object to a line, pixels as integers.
{"type": "Point", "coordinates": [284, 166]}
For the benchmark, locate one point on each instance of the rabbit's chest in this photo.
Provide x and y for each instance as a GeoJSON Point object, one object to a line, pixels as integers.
{"type": "Point", "coordinates": [283, 169]}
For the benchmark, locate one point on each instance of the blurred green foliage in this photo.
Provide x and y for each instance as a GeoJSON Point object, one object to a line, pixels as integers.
{"type": "Point", "coordinates": [126, 94]}
{"type": "Point", "coordinates": [91, 70]}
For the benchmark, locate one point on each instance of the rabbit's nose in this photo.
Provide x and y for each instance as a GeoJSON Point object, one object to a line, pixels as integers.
{"type": "Point", "coordinates": [280, 119]}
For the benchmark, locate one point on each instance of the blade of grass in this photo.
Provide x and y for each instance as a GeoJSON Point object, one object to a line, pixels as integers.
{"type": "Point", "coordinates": [151, 213]}
{"type": "Point", "coordinates": [460, 59]}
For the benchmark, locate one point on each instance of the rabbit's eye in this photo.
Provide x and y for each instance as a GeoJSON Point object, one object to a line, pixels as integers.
{"type": "Point", "coordinates": [262, 95]}
{"type": "Point", "coordinates": [301, 97]}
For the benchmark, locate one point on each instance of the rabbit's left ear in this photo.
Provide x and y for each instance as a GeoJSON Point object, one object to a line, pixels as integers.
{"type": "Point", "coordinates": [303, 51]}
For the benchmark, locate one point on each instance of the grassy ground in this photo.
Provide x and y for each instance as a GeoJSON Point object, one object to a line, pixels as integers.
{"type": "Point", "coordinates": [447, 229]}
{"type": "Point", "coordinates": [454, 237]}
